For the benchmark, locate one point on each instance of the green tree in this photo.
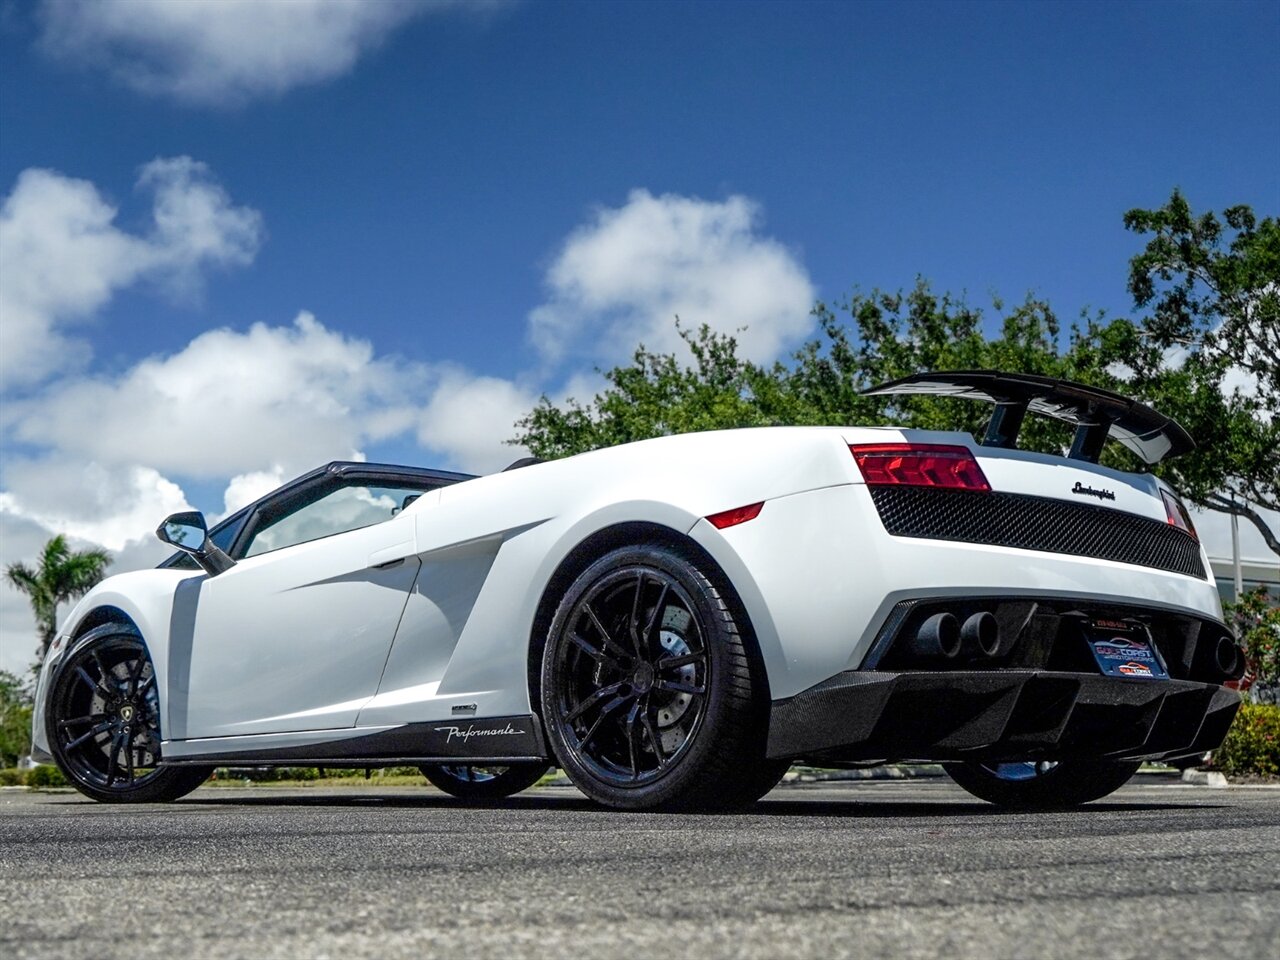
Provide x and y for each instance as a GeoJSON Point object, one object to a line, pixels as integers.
{"type": "Point", "coordinates": [15, 719]}
{"type": "Point", "coordinates": [885, 335]}
{"type": "Point", "coordinates": [1256, 621]}
{"type": "Point", "coordinates": [1180, 363]}
{"type": "Point", "coordinates": [61, 574]}
{"type": "Point", "coordinates": [1207, 352]}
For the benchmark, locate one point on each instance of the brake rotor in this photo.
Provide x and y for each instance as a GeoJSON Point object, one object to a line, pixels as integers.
{"type": "Point", "coordinates": [674, 704]}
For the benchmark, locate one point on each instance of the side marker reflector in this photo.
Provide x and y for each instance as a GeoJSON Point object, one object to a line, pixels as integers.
{"type": "Point", "coordinates": [730, 518]}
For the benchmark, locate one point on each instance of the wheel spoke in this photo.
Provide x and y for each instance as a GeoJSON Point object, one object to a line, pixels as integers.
{"type": "Point", "coordinates": [607, 709]}
{"type": "Point", "coordinates": [71, 723]}
{"type": "Point", "coordinates": [673, 663]}
{"type": "Point", "coordinates": [128, 755]}
{"type": "Point", "coordinates": [145, 685]}
{"type": "Point", "coordinates": [592, 700]}
{"type": "Point", "coordinates": [633, 739]}
{"type": "Point", "coordinates": [599, 656]}
{"type": "Point", "coordinates": [654, 739]}
{"type": "Point", "coordinates": [650, 629]}
{"type": "Point", "coordinates": [113, 763]}
{"type": "Point", "coordinates": [606, 640]}
{"type": "Point", "coordinates": [633, 622]}
{"type": "Point", "coordinates": [104, 673]}
{"type": "Point", "coordinates": [678, 687]}
{"type": "Point", "coordinates": [92, 732]}
{"type": "Point", "coordinates": [92, 683]}
{"type": "Point", "coordinates": [133, 677]}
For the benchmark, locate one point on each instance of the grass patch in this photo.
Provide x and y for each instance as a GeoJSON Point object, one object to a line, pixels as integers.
{"type": "Point", "coordinates": [42, 777]}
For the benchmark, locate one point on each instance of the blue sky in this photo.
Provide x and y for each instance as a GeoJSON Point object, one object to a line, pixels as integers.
{"type": "Point", "coordinates": [480, 202]}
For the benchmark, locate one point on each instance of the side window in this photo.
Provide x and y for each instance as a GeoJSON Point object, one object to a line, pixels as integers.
{"type": "Point", "coordinates": [226, 536]}
{"type": "Point", "coordinates": [347, 508]}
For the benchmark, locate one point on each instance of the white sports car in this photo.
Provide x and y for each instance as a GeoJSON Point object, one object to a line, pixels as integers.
{"type": "Point", "coordinates": [676, 621]}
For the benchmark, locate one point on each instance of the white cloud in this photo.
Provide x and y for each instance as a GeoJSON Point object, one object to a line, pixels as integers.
{"type": "Point", "coordinates": [470, 417]}
{"type": "Point", "coordinates": [224, 51]}
{"type": "Point", "coordinates": [245, 488]}
{"type": "Point", "coordinates": [284, 398]}
{"type": "Point", "coordinates": [621, 279]}
{"type": "Point", "coordinates": [62, 256]}
{"type": "Point", "coordinates": [22, 538]}
{"type": "Point", "coordinates": [95, 507]}
{"type": "Point", "coordinates": [97, 504]}
{"type": "Point", "coordinates": [104, 456]}
{"type": "Point", "coordinates": [195, 223]}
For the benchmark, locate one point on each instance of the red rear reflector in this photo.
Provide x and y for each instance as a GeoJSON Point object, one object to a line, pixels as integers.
{"type": "Point", "coordinates": [729, 518]}
{"type": "Point", "coordinates": [919, 465]}
{"type": "Point", "coordinates": [1177, 514]}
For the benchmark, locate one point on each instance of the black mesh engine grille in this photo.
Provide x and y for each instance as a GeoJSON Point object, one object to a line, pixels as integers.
{"type": "Point", "coordinates": [1036, 523]}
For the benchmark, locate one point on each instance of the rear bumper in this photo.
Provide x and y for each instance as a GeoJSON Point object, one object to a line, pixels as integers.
{"type": "Point", "coordinates": [998, 715]}
{"type": "Point", "coordinates": [819, 576]}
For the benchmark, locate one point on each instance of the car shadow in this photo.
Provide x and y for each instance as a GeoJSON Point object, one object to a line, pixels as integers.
{"type": "Point", "coordinates": [566, 801]}
{"type": "Point", "coordinates": [879, 809]}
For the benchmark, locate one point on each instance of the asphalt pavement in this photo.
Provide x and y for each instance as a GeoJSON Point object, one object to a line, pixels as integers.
{"type": "Point", "coordinates": [863, 869]}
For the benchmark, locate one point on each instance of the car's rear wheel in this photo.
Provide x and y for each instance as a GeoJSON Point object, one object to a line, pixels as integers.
{"type": "Point", "coordinates": [481, 782]}
{"type": "Point", "coordinates": [103, 723]}
{"type": "Point", "coordinates": [650, 696]}
{"type": "Point", "coordinates": [1042, 785]}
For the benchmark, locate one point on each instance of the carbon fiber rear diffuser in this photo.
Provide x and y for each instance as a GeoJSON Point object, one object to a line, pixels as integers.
{"type": "Point", "coordinates": [998, 715]}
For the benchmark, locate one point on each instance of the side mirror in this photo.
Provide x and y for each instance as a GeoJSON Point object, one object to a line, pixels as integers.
{"type": "Point", "coordinates": [190, 534]}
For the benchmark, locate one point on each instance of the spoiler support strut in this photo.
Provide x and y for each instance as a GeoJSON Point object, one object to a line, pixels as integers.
{"type": "Point", "coordinates": [1097, 414]}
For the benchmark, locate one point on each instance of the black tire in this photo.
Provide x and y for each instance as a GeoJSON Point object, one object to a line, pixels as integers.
{"type": "Point", "coordinates": [650, 696]}
{"type": "Point", "coordinates": [102, 719]}
{"type": "Point", "coordinates": [1042, 786]}
{"type": "Point", "coordinates": [483, 783]}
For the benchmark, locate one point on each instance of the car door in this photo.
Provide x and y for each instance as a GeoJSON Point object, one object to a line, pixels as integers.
{"type": "Point", "coordinates": [296, 634]}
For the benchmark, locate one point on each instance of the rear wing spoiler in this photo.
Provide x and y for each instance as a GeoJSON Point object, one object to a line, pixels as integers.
{"type": "Point", "coordinates": [1096, 413]}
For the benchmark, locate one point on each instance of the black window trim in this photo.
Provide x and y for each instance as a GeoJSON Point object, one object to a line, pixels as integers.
{"type": "Point", "coordinates": [315, 484]}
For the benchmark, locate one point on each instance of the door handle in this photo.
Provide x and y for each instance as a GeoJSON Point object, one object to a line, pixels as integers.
{"type": "Point", "coordinates": [390, 556]}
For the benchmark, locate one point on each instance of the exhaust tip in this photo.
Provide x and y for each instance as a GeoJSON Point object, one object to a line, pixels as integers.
{"type": "Point", "coordinates": [1226, 656]}
{"type": "Point", "coordinates": [980, 635]}
{"type": "Point", "coordinates": [939, 636]}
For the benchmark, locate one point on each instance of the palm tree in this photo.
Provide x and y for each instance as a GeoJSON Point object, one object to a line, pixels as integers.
{"type": "Point", "coordinates": [63, 574]}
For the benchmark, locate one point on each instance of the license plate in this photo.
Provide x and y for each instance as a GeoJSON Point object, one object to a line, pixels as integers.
{"type": "Point", "coordinates": [1124, 649]}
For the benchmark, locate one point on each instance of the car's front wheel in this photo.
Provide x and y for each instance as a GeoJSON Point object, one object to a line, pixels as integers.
{"type": "Point", "coordinates": [650, 695]}
{"type": "Point", "coordinates": [103, 723]}
{"type": "Point", "coordinates": [483, 783]}
{"type": "Point", "coordinates": [1044, 784]}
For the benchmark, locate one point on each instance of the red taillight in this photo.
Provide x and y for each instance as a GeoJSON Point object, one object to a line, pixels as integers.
{"type": "Point", "coordinates": [919, 465]}
{"type": "Point", "coordinates": [1177, 514]}
{"type": "Point", "coordinates": [728, 518]}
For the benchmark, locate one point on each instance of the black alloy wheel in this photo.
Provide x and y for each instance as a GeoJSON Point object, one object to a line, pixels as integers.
{"type": "Point", "coordinates": [1044, 784]}
{"type": "Point", "coordinates": [650, 697]}
{"type": "Point", "coordinates": [103, 723]}
{"type": "Point", "coordinates": [480, 782]}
